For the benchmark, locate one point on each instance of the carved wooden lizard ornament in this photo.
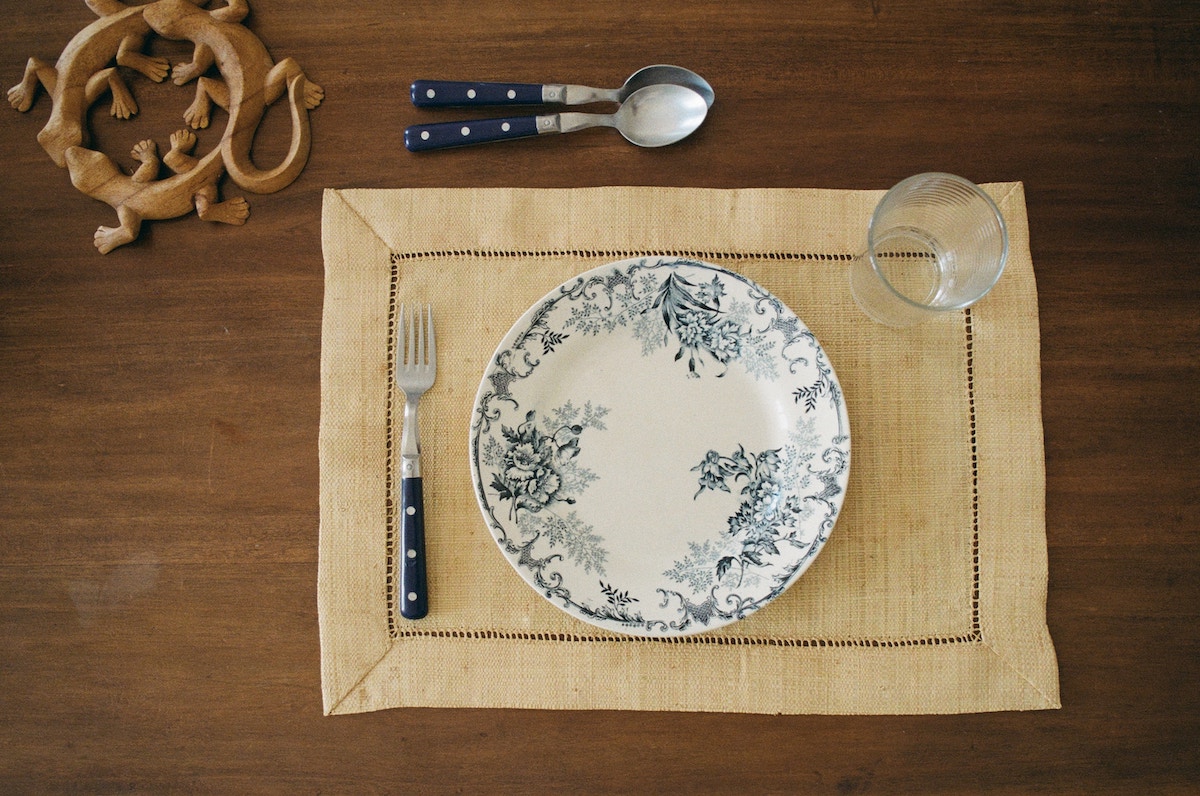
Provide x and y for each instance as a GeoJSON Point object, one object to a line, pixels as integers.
{"type": "Point", "coordinates": [250, 81]}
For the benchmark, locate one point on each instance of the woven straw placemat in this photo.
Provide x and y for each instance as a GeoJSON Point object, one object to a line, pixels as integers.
{"type": "Point", "coordinates": [928, 598]}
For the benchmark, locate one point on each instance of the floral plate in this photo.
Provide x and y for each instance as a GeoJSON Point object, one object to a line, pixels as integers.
{"type": "Point", "coordinates": [660, 447]}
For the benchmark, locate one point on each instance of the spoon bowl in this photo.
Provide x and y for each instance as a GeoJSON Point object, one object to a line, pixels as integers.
{"type": "Point", "coordinates": [659, 114]}
{"type": "Point", "coordinates": [665, 73]}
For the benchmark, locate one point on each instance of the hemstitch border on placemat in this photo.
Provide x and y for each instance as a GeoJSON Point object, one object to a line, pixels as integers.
{"type": "Point", "coordinates": [396, 399]}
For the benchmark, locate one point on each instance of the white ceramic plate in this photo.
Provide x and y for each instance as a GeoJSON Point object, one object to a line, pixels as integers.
{"type": "Point", "coordinates": [660, 447]}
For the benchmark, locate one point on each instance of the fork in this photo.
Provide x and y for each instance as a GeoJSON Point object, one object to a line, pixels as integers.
{"type": "Point", "coordinates": [416, 367]}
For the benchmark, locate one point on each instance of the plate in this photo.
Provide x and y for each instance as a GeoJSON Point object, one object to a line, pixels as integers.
{"type": "Point", "coordinates": [660, 447]}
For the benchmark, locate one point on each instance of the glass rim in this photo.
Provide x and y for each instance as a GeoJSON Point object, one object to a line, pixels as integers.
{"type": "Point", "coordinates": [973, 188]}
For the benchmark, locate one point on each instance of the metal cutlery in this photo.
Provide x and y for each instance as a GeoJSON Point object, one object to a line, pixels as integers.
{"type": "Point", "coordinates": [416, 368]}
{"type": "Point", "coordinates": [448, 93]}
{"type": "Point", "coordinates": [653, 116]}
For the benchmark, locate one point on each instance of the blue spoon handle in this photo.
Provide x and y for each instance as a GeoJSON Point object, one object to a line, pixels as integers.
{"type": "Point", "coordinates": [442, 135]}
{"type": "Point", "coordinates": [447, 93]}
{"type": "Point", "coordinates": [414, 596]}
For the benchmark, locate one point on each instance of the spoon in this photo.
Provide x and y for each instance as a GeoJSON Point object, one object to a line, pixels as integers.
{"type": "Point", "coordinates": [441, 93]}
{"type": "Point", "coordinates": [653, 116]}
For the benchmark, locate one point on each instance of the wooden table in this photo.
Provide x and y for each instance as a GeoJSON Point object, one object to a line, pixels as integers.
{"type": "Point", "coordinates": [158, 447]}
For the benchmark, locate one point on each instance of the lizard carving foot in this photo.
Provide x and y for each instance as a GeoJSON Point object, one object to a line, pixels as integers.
{"type": "Point", "coordinates": [183, 141]}
{"type": "Point", "coordinates": [197, 114]}
{"type": "Point", "coordinates": [123, 103]}
{"type": "Point", "coordinates": [233, 211]}
{"type": "Point", "coordinates": [313, 94]}
{"type": "Point", "coordinates": [122, 109]}
{"type": "Point", "coordinates": [179, 158]}
{"type": "Point", "coordinates": [108, 238]}
{"type": "Point", "coordinates": [151, 66]}
{"type": "Point", "coordinates": [21, 96]}
{"type": "Point", "coordinates": [146, 153]}
{"type": "Point", "coordinates": [183, 73]}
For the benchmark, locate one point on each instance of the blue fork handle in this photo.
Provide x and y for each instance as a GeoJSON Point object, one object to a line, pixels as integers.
{"type": "Point", "coordinates": [414, 597]}
{"type": "Point", "coordinates": [443, 135]}
{"type": "Point", "coordinates": [449, 93]}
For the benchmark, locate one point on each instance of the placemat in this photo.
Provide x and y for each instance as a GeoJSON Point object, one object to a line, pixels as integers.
{"type": "Point", "coordinates": [929, 596]}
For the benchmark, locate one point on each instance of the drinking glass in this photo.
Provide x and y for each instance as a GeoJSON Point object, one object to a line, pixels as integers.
{"type": "Point", "coordinates": [936, 243]}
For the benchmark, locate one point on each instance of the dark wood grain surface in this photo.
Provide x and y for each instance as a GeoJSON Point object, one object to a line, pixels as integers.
{"type": "Point", "coordinates": [159, 405]}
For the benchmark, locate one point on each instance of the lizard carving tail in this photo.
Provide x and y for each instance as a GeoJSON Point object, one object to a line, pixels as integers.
{"type": "Point", "coordinates": [235, 148]}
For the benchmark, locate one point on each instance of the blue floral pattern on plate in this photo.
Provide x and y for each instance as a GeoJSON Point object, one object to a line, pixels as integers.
{"type": "Point", "coordinates": [660, 447]}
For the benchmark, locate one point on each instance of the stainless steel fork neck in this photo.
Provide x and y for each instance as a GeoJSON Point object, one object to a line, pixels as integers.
{"type": "Point", "coordinates": [410, 446]}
